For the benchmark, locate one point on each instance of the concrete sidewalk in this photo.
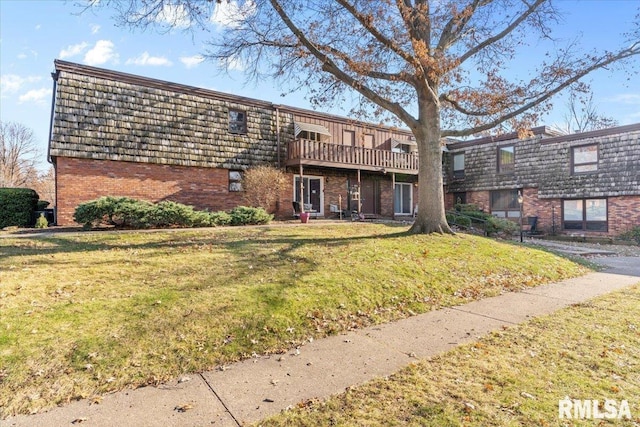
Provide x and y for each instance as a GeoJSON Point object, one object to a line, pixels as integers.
{"type": "Point", "coordinates": [251, 390]}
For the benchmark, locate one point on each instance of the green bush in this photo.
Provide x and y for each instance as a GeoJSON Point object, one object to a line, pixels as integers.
{"type": "Point", "coordinates": [118, 211]}
{"type": "Point", "coordinates": [131, 213]}
{"type": "Point", "coordinates": [244, 215]}
{"type": "Point", "coordinates": [17, 206]}
{"type": "Point", "coordinates": [632, 235]}
{"type": "Point", "coordinates": [220, 218]}
{"type": "Point", "coordinates": [501, 226]}
{"type": "Point", "coordinates": [42, 222]}
{"type": "Point", "coordinates": [42, 205]}
{"type": "Point", "coordinates": [461, 221]}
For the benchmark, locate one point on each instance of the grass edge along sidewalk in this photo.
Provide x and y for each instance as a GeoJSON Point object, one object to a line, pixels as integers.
{"type": "Point", "coordinates": [516, 376]}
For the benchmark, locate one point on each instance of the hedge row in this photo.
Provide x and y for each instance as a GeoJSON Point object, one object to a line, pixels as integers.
{"type": "Point", "coordinates": [131, 213]}
{"type": "Point", "coordinates": [17, 206]}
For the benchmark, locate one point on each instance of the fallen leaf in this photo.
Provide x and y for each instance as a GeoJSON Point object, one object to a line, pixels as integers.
{"type": "Point", "coordinates": [184, 408]}
{"type": "Point", "coordinates": [79, 420]}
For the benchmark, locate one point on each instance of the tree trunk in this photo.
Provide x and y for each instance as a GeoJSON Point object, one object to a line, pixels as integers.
{"type": "Point", "coordinates": [431, 216]}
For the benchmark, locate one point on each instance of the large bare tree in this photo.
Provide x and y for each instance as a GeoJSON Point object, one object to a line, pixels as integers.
{"type": "Point", "coordinates": [438, 66]}
{"type": "Point", "coordinates": [18, 154]}
{"type": "Point", "coordinates": [582, 115]}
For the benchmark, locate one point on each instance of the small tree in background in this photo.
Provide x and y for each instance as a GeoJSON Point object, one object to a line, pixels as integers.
{"type": "Point", "coordinates": [262, 186]}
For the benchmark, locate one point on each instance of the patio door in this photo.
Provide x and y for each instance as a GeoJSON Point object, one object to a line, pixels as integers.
{"type": "Point", "coordinates": [312, 192]}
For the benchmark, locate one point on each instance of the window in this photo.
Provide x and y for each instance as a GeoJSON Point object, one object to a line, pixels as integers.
{"type": "Point", "coordinates": [237, 121]}
{"type": "Point", "coordinates": [504, 204]}
{"type": "Point", "coordinates": [585, 214]}
{"type": "Point", "coordinates": [312, 136]}
{"type": "Point", "coordinates": [403, 198]}
{"type": "Point", "coordinates": [458, 166]}
{"type": "Point", "coordinates": [367, 140]}
{"type": "Point", "coordinates": [401, 148]}
{"type": "Point", "coordinates": [348, 137]}
{"type": "Point", "coordinates": [584, 159]}
{"type": "Point", "coordinates": [235, 181]}
{"type": "Point", "coordinates": [506, 158]}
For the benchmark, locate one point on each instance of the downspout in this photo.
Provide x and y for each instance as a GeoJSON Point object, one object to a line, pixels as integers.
{"type": "Point", "coordinates": [278, 132]}
{"type": "Point", "coordinates": [54, 76]}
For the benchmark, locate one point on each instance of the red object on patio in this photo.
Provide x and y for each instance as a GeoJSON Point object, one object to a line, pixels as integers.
{"type": "Point", "coordinates": [304, 217]}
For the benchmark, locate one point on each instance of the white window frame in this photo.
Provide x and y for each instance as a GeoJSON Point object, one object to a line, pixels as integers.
{"type": "Point", "coordinates": [395, 207]}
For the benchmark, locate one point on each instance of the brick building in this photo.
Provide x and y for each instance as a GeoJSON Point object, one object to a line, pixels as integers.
{"type": "Point", "coordinates": [584, 184]}
{"type": "Point", "coordinates": [119, 134]}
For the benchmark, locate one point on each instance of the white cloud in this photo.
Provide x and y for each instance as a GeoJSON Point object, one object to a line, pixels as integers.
{"type": "Point", "coordinates": [73, 50]}
{"type": "Point", "coordinates": [191, 61]}
{"type": "Point", "coordinates": [175, 15]}
{"type": "Point", "coordinates": [12, 83]}
{"type": "Point", "coordinates": [626, 98]}
{"type": "Point", "coordinates": [22, 56]}
{"type": "Point", "coordinates": [38, 96]}
{"type": "Point", "coordinates": [38, 27]}
{"type": "Point", "coordinates": [95, 28]}
{"type": "Point", "coordinates": [230, 14]}
{"type": "Point", "coordinates": [146, 59]}
{"type": "Point", "coordinates": [101, 53]}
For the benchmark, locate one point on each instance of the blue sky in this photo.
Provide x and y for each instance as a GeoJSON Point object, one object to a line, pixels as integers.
{"type": "Point", "coordinates": [34, 33]}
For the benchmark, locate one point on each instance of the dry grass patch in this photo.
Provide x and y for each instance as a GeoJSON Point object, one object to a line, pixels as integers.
{"type": "Point", "coordinates": [84, 314]}
{"type": "Point", "coordinates": [514, 377]}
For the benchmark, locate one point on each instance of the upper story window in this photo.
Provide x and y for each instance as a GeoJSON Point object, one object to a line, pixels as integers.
{"type": "Point", "coordinates": [458, 166]}
{"type": "Point", "coordinates": [584, 159]}
{"type": "Point", "coordinates": [237, 121]}
{"type": "Point", "coordinates": [367, 140]}
{"type": "Point", "coordinates": [506, 158]}
{"type": "Point", "coordinates": [312, 136]}
{"type": "Point", "coordinates": [348, 137]}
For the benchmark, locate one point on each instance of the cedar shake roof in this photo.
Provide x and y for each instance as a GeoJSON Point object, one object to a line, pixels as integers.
{"type": "Point", "coordinates": [109, 115]}
{"type": "Point", "coordinates": [546, 164]}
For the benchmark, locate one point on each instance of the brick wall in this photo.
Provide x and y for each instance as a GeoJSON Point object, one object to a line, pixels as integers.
{"type": "Point", "coordinates": [81, 180]}
{"type": "Point", "coordinates": [623, 212]}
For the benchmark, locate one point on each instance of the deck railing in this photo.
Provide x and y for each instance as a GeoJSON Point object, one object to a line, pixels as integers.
{"type": "Point", "coordinates": [304, 151]}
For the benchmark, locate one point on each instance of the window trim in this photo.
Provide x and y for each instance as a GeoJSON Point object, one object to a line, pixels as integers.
{"type": "Point", "coordinates": [501, 166]}
{"type": "Point", "coordinates": [513, 212]}
{"type": "Point", "coordinates": [242, 123]}
{"type": "Point", "coordinates": [573, 159]}
{"type": "Point", "coordinates": [585, 222]}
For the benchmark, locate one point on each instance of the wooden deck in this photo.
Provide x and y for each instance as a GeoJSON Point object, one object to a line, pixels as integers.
{"type": "Point", "coordinates": [327, 154]}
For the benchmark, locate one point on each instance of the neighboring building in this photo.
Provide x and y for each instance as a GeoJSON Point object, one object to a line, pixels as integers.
{"type": "Point", "coordinates": [585, 184]}
{"type": "Point", "coordinates": [119, 134]}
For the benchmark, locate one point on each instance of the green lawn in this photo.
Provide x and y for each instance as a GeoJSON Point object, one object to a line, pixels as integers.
{"type": "Point", "coordinates": [514, 377]}
{"type": "Point", "coordinates": [84, 314]}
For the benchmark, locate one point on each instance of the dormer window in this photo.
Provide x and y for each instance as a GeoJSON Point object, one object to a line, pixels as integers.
{"type": "Point", "coordinates": [237, 121]}
{"type": "Point", "coordinates": [506, 158]}
{"type": "Point", "coordinates": [584, 159]}
{"type": "Point", "coordinates": [458, 166]}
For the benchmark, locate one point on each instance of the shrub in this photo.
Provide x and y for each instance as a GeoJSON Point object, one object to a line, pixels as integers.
{"type": "Point", "coordinates": [243, 215]}
{"type": "Point", "coordinates": [17, 206]}
{"type": "Point", "coordinates": [118, 211]}
{"type": "Point", "coordinates": [42, 205]}
{"type": "Point", "coordinates": [461, 221]}
{"type": "Point", "coordinates": [263, 185]}
{"type": "Point", "coordinates": [501, 226]}
{"type": "Point", "coordinates": [172, 214]}
{"type": "Point", "coordinates": [632, 235]}
{"type": "Point", "coordinates": [42, 222]}
{"type": "Point", "coordinates": [220, 218]}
